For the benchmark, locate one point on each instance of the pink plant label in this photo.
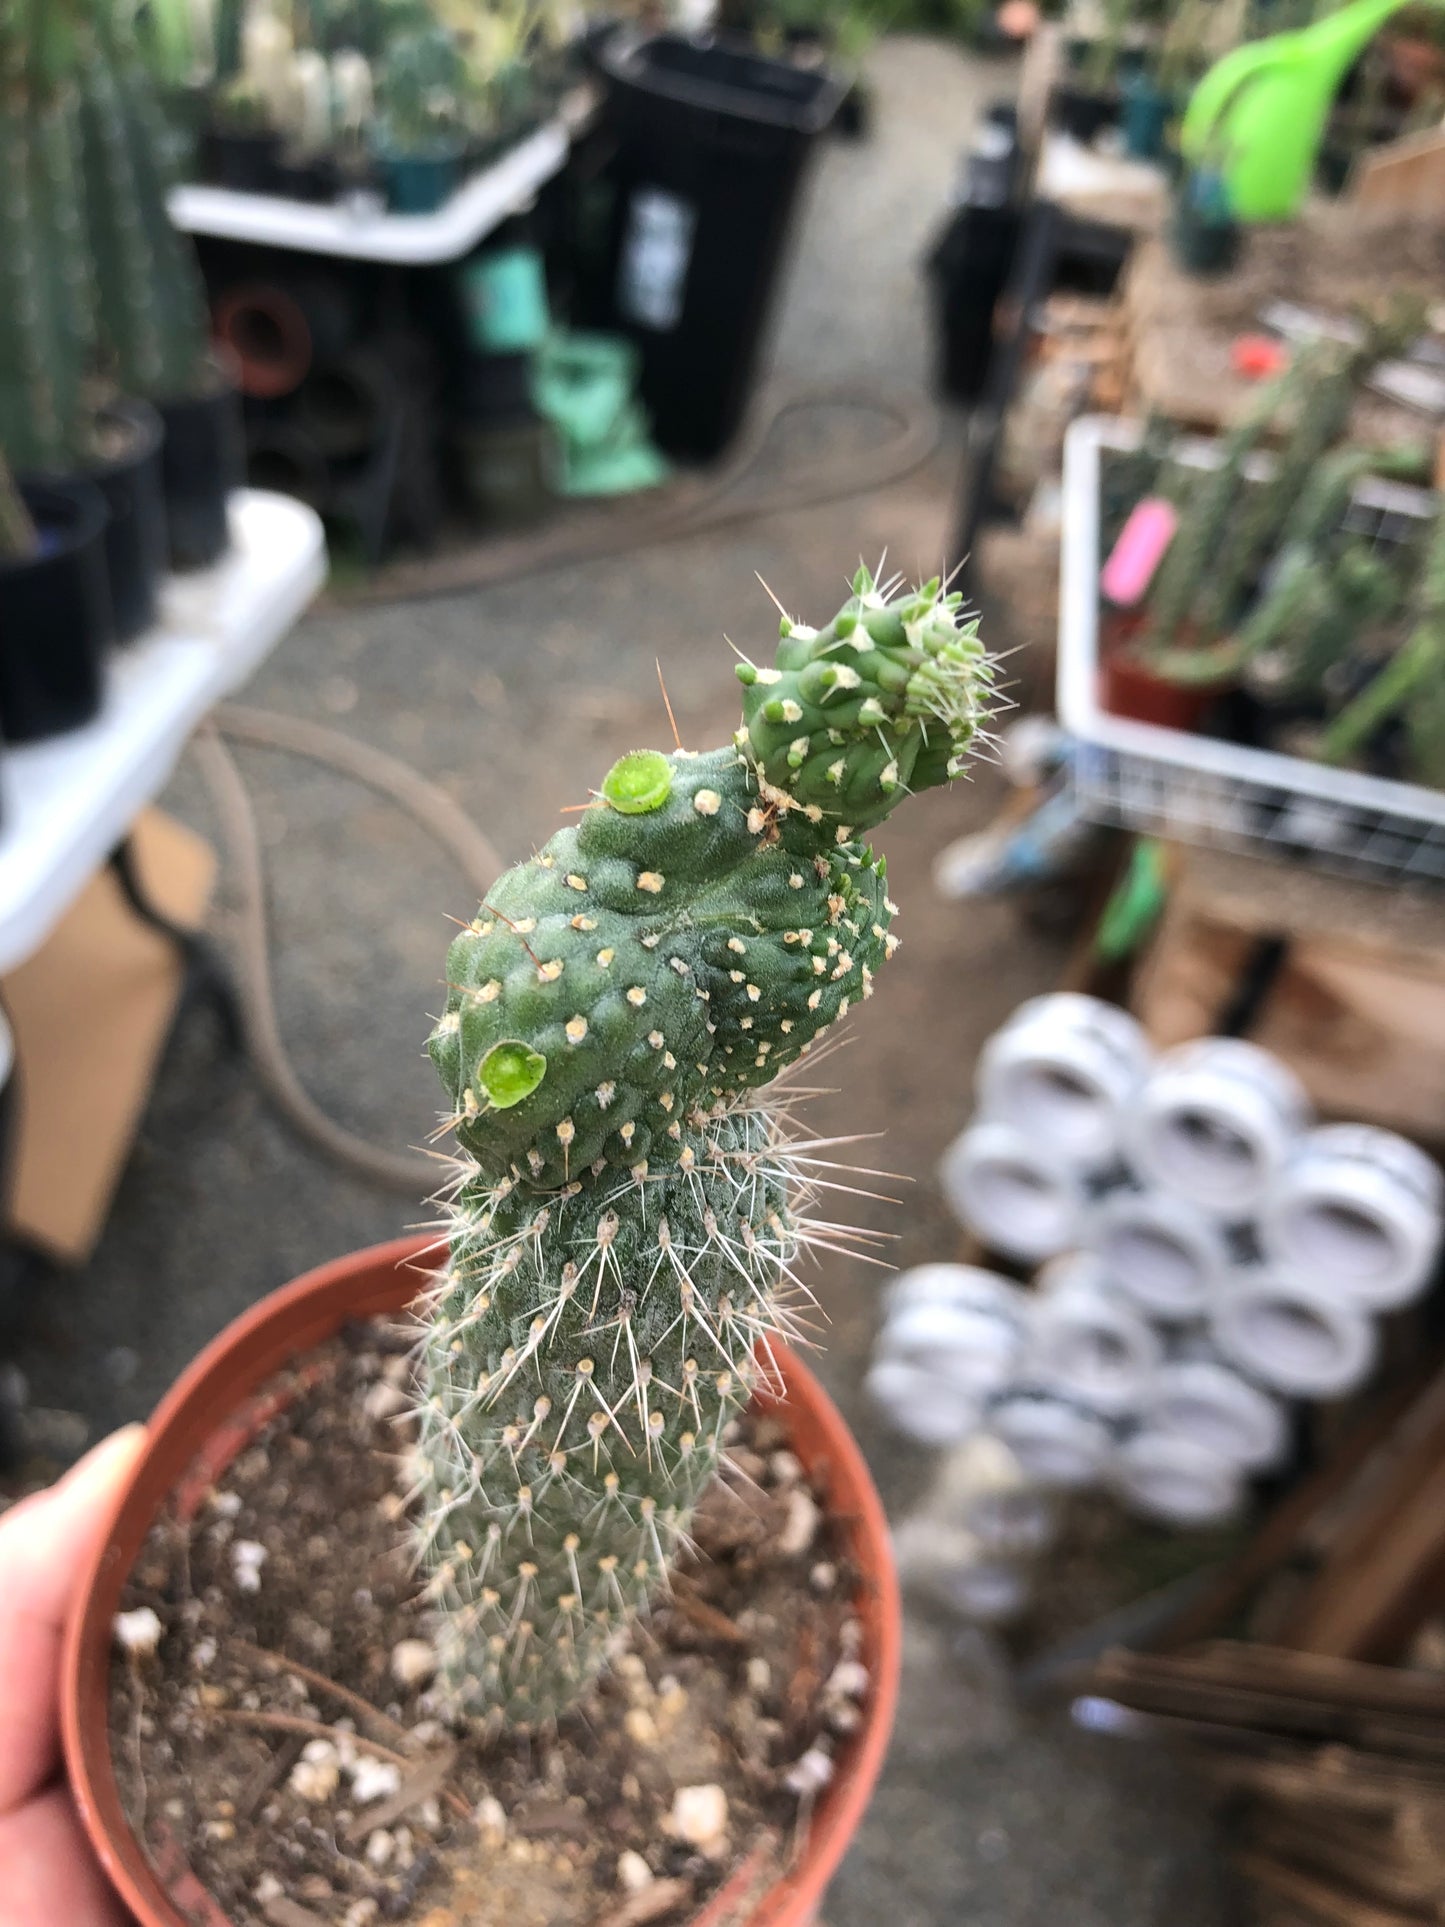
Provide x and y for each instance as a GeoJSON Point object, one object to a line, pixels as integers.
{"type": "Point", "coordinates": [1126, 576]}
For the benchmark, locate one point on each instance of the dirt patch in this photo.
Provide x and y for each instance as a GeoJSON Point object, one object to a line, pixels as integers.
{"type": "Point", "coordinates": [277, 1733]}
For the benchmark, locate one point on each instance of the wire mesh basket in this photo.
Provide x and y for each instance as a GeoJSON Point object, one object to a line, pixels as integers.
{"type": "Point", "coordinates": [1199, 789]}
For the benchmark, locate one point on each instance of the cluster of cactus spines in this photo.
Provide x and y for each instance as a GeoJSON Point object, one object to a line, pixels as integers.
{"type": "Point", "coordinates": [629, 1215]}
{"type": "Point", "coordinates": [95, 285]}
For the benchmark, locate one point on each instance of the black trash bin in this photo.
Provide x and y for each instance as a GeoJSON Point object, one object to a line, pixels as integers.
{"type": "Point", "coordinates": [710, 145]}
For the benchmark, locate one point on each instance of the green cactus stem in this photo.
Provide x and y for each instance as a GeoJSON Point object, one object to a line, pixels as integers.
{"type": "Point", "coordinates": [1300, 597]}
{"type": "Point", "coordinates": [1205, 514]}
{"type": "Point", "coordinates": [152, 307]}
{"type": "Point", "coordinates": [1329, 382]}
{"type": "Point", "coordinates": [47, 309]}
{"type": "Point", "coordinates": [630, 1212]}
{"type": "Point", "coordinates": [1413, 675]}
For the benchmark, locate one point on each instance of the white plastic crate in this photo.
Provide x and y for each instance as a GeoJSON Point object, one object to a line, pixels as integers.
{"type": "Point", "coordinates": [1166, 782]}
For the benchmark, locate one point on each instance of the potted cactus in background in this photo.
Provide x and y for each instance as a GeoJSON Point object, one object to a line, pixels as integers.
{"type": "Point", "coordinates": [627, 1222]}
{"type": "Point", "coordinates": [420, 134]}
{"type": "Point", "coordinates": [103, 345]}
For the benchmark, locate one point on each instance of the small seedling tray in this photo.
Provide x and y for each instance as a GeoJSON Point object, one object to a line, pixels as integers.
{"type": "Point", "coordinates": [1198, 789]}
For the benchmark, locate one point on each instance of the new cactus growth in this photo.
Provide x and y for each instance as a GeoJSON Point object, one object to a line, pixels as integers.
{"type": "Point", "coordinates": [630, 1214]}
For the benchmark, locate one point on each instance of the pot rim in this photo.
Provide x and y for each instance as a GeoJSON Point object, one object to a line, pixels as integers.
{"type": "Point", "coordinates": [212, 1409]}
{"type": "Point", "coordinates": [71, 509]}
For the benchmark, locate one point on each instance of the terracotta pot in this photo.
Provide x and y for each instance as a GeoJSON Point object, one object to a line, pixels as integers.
{"type": "Point", "coordinates": [1128, 687]}
{"type": "Point", "coordinates": [215, 1408]}
{"type": "Point", "coordinates": [263, 329]}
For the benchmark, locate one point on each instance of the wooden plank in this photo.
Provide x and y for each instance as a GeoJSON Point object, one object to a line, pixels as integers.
{"type": "Point", "coordinates": [1320, 1899]}
{"type": "Point", "coordinates": [1405, 176]}
{"type": "Point", "coordinates": [98, 1031]}
{"type": "Point", "coordinates": [1358, 1007]}
{"type": "Point", "coordinates": [1349, 1853]}
{"type": "Point", "coordinates": [1282, 1530]}
{"type": "Point", "coordinates": [1369, 1606]}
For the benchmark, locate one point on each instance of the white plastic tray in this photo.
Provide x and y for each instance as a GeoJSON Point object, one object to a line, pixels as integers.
{"type": "Point", "coordinates": [68, 802]}
{"type": "Point", "coordinates": [479, 206]}
{"type": "Point", "coordinates": [1166, 782]}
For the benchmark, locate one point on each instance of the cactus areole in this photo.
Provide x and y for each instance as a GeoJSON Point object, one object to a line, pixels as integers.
{"type": "Point", "coordinates": [630, 1215]}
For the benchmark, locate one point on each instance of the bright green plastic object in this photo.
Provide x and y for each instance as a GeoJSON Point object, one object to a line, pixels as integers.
{"type": "Point", "coordinates": [1258, 116]}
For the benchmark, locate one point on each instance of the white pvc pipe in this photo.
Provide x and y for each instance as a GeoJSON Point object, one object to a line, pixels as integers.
{"type": "Point", "coordinates": [1166, 1254]}
{"type": "Point", "coordinates": [1176, 1480]}
{"type": "Point", "coordinates": [951, 1566]}
{"type": "Point", "coordinates": [1204, 1401]}
{"type": "Point", "coordinates": [960, 1323]}
{"type": "Point", "coordinates": [1090, 1341]}
{"type": "Point", "coordinates": [1063, 1070]}
{"type": "Point", "coordinates": [919, 1405]}
{"type": "Point", "coordinates": [1360, 1209]}
{"type": "Point", "coordinates": [1294, 1335]}
{"type": "Point", "coordinates": [1058, 1444]}
{"type": "Point", "coordinates": [1215, 1122]}
{"type": "Point", "coordinates": [1020, 1200]}
{"type": "Point", "coordinates": [981, 1486]}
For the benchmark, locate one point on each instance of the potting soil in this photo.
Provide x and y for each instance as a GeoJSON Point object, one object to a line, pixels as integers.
{"type": "Point", "coordinates": [280, 1739]}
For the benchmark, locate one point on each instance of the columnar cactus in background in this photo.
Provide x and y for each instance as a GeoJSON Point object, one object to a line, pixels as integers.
{"type": "Point", "coordinates": [627, 1227]}
{"type": "Point", "coordinates": [97, 290]}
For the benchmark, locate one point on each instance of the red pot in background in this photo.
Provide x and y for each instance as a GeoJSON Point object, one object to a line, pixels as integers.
{"type": "Point", "coordinates": [212, 1411]}
{"type": "Point", "coordinates": [1130, 688]}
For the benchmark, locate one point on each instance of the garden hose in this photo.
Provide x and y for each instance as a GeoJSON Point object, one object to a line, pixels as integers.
{"type": "Point", "coordinates": [612, 531]}
{"type": "Point", "coordinates": [430, 807]}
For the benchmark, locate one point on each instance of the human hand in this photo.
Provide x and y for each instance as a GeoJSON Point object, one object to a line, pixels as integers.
{"type": "Point", "coordinates": [47, 1873]}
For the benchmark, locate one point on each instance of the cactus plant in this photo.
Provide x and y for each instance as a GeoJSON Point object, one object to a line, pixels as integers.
{"type": "Point", "coordinates": [1228, 528]}
{"type": "Point", "coordinates": [420, 84]}
{"type": "Point", "coordinates": [629, 1216]}
{"type": "Point", "coordinates": [96, 287]}
{"type": "Point", "coordinates": [1413, 680]}
{"type": "Point", "coordinates": [1308, 592]}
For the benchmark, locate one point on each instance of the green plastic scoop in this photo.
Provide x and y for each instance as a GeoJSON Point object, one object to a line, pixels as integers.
{"type": "Point", "coordinates": [1258, 115]}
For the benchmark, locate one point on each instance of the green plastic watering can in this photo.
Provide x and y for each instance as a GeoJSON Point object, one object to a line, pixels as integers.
{"type": "Point", "coordinates": [1258, 115]}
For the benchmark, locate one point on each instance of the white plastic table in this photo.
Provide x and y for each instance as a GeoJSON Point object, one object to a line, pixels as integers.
{"type": "Point", "coordinates": [478, 207]}
{"type": "Point", "coordinates": [66, 804]}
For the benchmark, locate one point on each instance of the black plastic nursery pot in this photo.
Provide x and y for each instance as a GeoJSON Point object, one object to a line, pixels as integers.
{"type": "Point", "coordinates": [711, 144]}
{"type": "Point", "coordinates": [55, 616]}
{"type": "Point", "coordinates": [203, 461]}
{"type": "Point", "coordinates": [1083, 112]}
{"type": "Point", "coordinates": [246, 163]}
{"type": "Point", "coordinates": [132, 482]}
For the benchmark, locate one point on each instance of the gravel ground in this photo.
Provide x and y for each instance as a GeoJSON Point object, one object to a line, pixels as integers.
{"type": "Point", "coordinates": [514, 699]}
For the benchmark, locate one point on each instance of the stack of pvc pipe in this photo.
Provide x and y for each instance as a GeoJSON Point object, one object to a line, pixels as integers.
{"type": "Point", "coordinates": [1208, 1254]}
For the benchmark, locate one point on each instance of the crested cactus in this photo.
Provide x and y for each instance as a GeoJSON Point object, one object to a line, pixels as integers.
{"type": "Point", "coordinates": [630, 1212]}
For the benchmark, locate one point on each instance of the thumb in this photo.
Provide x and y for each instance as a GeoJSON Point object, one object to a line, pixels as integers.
{"type": "Point", "coordinates": [46, 1543]}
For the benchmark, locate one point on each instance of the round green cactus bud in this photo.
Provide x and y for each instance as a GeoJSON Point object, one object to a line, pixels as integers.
{"type": "Point", "coordinates": [638, 782]}
{"type": "Point", "coordinates": [509, 1072]}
